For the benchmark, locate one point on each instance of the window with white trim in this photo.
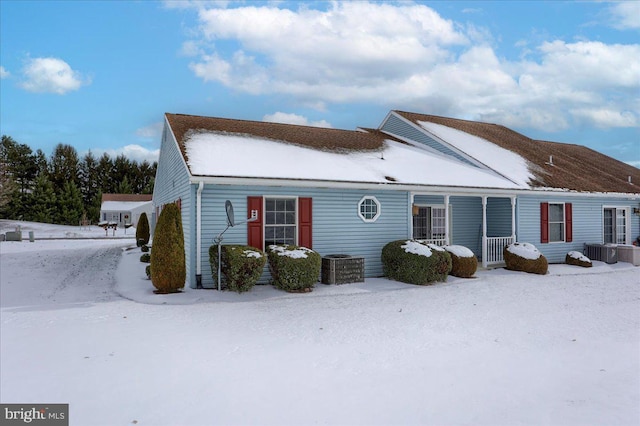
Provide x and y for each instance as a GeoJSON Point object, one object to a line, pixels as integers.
{"type": "Point", "coordinates": [556, 222]}
{"type": "Point", "coordinates": [369, 209]}
{"type": "Point", "coordinates": [280, 221]}
{"type": "Point", "coordinates": [429, 223]}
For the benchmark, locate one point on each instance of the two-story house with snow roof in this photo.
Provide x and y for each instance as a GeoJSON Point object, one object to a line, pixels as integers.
{"type": "Point", "coordinates": [439, 179]}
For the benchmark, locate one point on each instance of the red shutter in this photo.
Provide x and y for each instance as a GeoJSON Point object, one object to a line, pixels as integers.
{"type": "Point", "coordinates": [568, 222]}
{"type": "Point", "coordinates": [305, 219]}
{"type": "Point", "coordinates": [254, 229]}
{"type": "Point", "coordinates": [544, 222]}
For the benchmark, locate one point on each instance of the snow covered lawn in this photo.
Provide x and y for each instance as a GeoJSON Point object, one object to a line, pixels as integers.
{"type": "Point", "coordinates": [80, 325]}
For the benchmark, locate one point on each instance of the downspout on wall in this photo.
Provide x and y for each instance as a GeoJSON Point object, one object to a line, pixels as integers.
{"type": "Point", "coordinates": [199, 234]}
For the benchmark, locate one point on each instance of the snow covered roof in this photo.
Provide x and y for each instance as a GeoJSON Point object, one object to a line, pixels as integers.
{"type": "Point", "coordinates": [122, 206]}
{"type": "Point", "coordinates": [551, 164]}
{"type": "Point", "coordinates": [221, 147]}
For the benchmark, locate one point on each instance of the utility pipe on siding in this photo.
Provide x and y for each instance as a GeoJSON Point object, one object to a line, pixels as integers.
{"type": "Point", "coordinates": [199, 234]}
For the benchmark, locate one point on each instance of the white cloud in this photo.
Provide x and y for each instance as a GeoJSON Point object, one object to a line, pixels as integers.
{"type": "Point", "coordinates": [132, 152]}
{"type": "Point", "coordinates": [625, 15]}
{"type": "Point", "coordinates": [51, 75]}
{"type": "Point", "coordinates": [407, 54]}
{"type": "Point", "coordinates": [4, 73]}
{"type": "Point", "coordinates": [152, 131]}
{"type": "Point", "coordinates": [286, 118]}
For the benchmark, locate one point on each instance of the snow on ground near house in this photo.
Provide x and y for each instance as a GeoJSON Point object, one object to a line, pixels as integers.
{"type": "Point", "coordinates": [213, 154]}
{"type": "Point", "coordinates": [80, 325]}
{"type": "Point", "coordinates": [48, 230]}
{"type": "Point", "coordinates": [505, 162]}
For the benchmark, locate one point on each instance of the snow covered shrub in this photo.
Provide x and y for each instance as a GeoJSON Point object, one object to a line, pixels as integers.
{"type": "Point", "coordinates": [142, 230]}
{"type": "Point", "coordinates": [241, 266]}
{"type": "Point", "coordinates": [578, 259]}
{"type": "Point", "coordinates": [145, 258]}
{"type": "Point", "coordinates": [415, 262]}
{"type": "Point", "coordinates": [148, 271]}
{"type": "Point", "coordinates": [144, 248]}
{"type": "Point", "coordinates": [168, 272]}
{"type": "Point", "coordinates": [525, 257]}
{"type": "Point", "coordinates": [463, 262]}
{"type": "Point", "coordinates": [293, 268]}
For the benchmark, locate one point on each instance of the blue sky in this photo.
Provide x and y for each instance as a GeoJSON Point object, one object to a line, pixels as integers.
{"type": "Point", "coordinates": [99, 75]}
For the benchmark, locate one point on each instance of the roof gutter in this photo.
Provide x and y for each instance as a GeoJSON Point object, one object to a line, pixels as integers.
{"type": "Point", "coordinates": [199, 234]}
{"type": "Point", "coordinates": [416, 188]}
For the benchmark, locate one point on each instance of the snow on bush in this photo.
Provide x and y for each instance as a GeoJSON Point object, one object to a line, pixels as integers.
{"type": "Point", "coordinates": [463, 262]}
{"type": "Point", "coordinates": [578, 259]}
{"type": "Point", "coordinates": [525, 257]}
{"type": "Point", "coordinates": [241, 266]}
{"type": "Point", "coordinates": [525, 250]}
{"type": "Point", "coordinates": [415, 262]}
{"type": "Point", "coordinates": [293, 268]}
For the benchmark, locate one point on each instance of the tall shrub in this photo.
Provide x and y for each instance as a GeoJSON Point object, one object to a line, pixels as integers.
{"type": "Point", "coordinates": [168, 271]}
{"type": "Point", "coordinates": [142, 230]}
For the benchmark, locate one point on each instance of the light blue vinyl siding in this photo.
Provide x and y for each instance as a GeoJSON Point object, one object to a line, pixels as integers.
{"type": "Point", "coordinates": [337, 228]}
{"type": "Point", "coordinates": [397, 126]}
{"type": "Point", "coordinates": [171, 184]}
{"type": "Point", "coordinates": [498, 217]}
{"type": "Point", "coordinates": [587, 222]}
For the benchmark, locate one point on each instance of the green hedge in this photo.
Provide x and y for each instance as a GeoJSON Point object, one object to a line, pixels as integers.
{"type": "Point", "coordinates": [146, 258]}
{"type": "Point", "coordinates": [241, 266]}
{"type": "Point", "coordinates": [401, 262]}
{"type": "Point", "coordinates": [294, 268]}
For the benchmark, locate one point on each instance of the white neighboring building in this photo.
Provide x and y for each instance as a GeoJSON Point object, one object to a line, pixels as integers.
{"type": "Point", "coordinates": [125, 208]}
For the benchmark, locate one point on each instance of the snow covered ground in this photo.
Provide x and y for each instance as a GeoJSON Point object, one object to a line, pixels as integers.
{"type": "Point", "coordinates": [80, 325]}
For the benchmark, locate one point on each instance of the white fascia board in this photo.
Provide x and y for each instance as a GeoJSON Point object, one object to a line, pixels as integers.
{"type": "Point", "coordinates": [412, 188]}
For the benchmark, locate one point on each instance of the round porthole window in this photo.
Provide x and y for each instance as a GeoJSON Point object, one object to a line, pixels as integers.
{"type": "Point", "coordinates": [369, 209]}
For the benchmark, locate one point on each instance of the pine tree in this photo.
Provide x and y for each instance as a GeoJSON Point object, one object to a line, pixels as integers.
{"type": "Point", "coordinates": [70, 206]}
{"type": "Point", "coordinates": [124, 187]}
{"type": "Point", "coordinates": [43, 201]}
{"type": "Point", "coordinates": [63, 166]}
{"type": "Point", "coordinates": [168, 269]}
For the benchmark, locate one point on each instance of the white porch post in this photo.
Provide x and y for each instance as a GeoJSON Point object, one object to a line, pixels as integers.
{"type": "Point", "coordinates": [513, 218]}
{"type": "Point", "coordinates": [412, 198]}
{"type": "Point", "coordinates": [484, 231]}
{"type": "Point", "coordinates": [447, 237]}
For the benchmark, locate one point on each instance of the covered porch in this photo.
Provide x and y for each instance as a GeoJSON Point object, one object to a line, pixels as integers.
{"type": "Point", "coordinates": [484, 223]}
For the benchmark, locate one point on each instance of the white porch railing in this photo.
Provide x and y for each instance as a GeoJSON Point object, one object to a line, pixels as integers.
{"type": "Point", "coordinates": [437, 241]}
{"type": "Point", "coordinates": [495, 245]}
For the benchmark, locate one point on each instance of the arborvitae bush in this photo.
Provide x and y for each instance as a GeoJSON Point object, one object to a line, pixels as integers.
{"type": "Point", "coordinates": [415, 262]}
{"type": "Point", "coordinates": [146, 258]}
{"type": "Point", "coordinates": [241, 266]}
{"type": "Point", "coordinates": [168, 272]}
{"type": "Point", "coordinates": [525, 257]}
{"type": "Point", "coordinates": [463, 262]}
{"type": "Point", "coordinates": [294, 268]}
{"type": "Point", "coordinates": [142, 230]}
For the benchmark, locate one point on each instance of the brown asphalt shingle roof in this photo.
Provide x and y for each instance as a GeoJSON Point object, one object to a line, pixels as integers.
{"type": "Point", "coordinates": [575, 167]}
{"type": "Point", "coordinates": [312, 137]}
{"type": "Point", "coordinates": [135, 198]}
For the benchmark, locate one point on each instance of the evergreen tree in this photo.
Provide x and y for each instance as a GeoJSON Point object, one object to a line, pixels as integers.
{"type": "Point", "coordinates": [93, 209]}
{"type": "Point", "coordinates": [43, 201]}
{"type": "Point", "coordinates": [106, 180]}
{"type": "Point", "coordinates": [142, 230]}
{"type": "Point", "coordinates": [70, 208]}
{"type": "Point", "coordinates": [64, 166]}
{"type": "Point", "coordinates": [168, 269]}
{"type": "Point", "coordinates": [124, 187]}
{"type": "Point", "coordinates": [89, 185]}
